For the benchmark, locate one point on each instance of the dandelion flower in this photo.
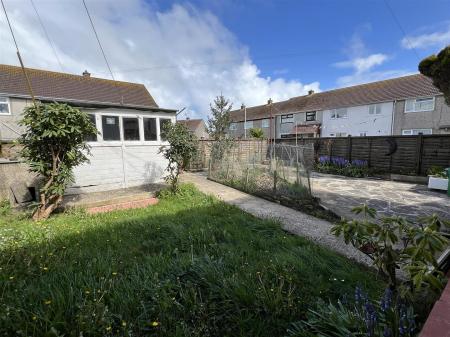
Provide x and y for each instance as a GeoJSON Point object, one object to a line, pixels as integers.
{"type": "Point", "coordinates": [124, 323]}
{"type": "Point", "coordinates": [34, 318]}
{"type": "Point", "coordinates": [45, 269]}
{"type": "Point", "coordinates": [108, 328]}
{"type": "Point", "coordinates": [114, 273]}
{"type": "Point", "coordinates": [155, 323]}
{"type": "Point", "coordinates": [47, 302]}
{"type": "Point", "coordinates": [11, 277]}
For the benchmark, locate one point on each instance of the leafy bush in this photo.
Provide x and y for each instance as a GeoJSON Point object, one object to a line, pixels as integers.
{"type": "Point", "coordinates": [54, 143]}
{"type": "Point", "coordinates": [341, 166]}
{"type": "Point", "coordinates": [5, 207]}
{"type": "Point", "coordinates": [257, 133]}
{"type": "Point", "coordinates": [437, 67]}
{"type": "Point", "coordinates": [183, 146]}
{"type": "Point", "coordinates": [358, 317]}
{"type": "Point", "coordinates": [437, 171]}
{"type": "Point", "coordinates": [393, 243]}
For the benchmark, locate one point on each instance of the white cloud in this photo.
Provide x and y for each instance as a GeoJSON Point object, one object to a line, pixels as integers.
{"type": "Point", "coordinates": [440, 39]}
{"type": "Point", "coordinates": [183, 55]}
{"type": "Point", "coordinates": [363, 65]}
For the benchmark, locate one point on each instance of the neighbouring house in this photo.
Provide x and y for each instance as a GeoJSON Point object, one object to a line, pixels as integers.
{"type": "Point", "coordinates": [408, 105]}
{"type": "Point", "coordinates": [124, 153]}
{"type": "Point", "coordinates": [197, 127]}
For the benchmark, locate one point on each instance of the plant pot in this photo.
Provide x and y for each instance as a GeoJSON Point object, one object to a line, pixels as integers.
{"type": "Point", "coordinates": [437, 183]}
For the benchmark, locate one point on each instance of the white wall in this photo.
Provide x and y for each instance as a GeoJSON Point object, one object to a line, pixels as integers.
{"type": "Point", "coordinates": [359, 121]}
{"type": "Point", "coordinates": [121, 164]}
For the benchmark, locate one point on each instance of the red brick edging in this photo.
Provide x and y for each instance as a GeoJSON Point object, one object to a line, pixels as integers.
{"type": "Point", "coordinates": [123, 205]}
{"type": "Point", "coordinates": [438, 322]}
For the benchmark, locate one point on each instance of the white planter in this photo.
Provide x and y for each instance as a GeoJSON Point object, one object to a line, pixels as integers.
{"type": "Point", "coordinates": [438, 183]}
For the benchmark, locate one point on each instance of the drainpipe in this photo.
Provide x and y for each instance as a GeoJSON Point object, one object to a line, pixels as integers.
{"type": "Point", "coordinates": [245, 120]}
{"type": "Point", "coordinates": [393, 117]}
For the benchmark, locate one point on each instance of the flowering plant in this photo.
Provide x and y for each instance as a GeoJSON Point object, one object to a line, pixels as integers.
{"type": "Point", "coordinates": [342, 166]}
{"type": "Point", "coordinates": [359, 317]}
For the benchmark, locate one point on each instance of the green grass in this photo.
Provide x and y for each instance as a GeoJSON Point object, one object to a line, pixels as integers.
{"type": "Point", "coordinates": [194, 265]}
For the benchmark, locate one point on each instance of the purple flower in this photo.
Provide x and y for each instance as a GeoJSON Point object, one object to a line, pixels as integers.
{"type": "Point", "coordinates": [386, 300]}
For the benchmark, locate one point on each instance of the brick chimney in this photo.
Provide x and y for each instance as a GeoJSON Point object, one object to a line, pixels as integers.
{"type": "Point", "coordinates": [86, 73]}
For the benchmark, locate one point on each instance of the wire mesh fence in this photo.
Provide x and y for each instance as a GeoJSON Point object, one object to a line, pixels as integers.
{"type": "Point", "coordinates": [273, 171]}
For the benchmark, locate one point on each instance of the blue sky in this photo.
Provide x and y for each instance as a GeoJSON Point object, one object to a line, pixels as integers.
{"type": "Point", "coordinates": [188, 52]}
{"type": "Point", "coordinates": [304, 40]}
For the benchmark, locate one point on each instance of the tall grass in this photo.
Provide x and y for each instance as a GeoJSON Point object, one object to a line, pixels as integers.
{"type": "Point", "coordinates": [189, 266]}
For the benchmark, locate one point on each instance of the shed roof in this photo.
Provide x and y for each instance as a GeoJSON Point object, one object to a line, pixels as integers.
{"type": "Point", "coordinates": [50, 85]}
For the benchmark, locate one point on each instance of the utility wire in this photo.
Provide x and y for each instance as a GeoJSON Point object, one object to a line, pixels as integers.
{"type": "Point", "coordinates": [30, 88]}
{"type": "Point", "coordinates": [396, 20]}
{"type": "Point", "coordinates": [46, 35]}
{"type": "Point", "coordinates": [98, 39]}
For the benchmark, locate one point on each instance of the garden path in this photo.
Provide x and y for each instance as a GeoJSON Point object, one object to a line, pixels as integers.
{"type": "Point", "coordinates": [293, 221]}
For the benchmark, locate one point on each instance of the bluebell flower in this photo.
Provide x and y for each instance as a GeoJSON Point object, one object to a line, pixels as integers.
{"type": "Point", "coordinates": [386, 300]}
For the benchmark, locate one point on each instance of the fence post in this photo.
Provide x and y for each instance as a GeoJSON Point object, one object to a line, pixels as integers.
{"type": "Point", "coordinates": [275, 181]}
{"type": "Point", "coordinates": [209, 168]}
{"type": "Point", "coordinates": [246, 178]}
{"type": "Point", "coordinates": [419, 153]}
{"type": "Point", "coordinates": [349, 149]}
{"type": "Point", "coordinates": [369, 161]}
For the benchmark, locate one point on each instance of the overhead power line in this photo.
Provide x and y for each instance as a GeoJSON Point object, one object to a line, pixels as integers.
{"type": "Point", "coordinates": [46, 35]}
{"type": "Point", "coordinates": [397, 21]}
{"type": "Point", "coordinates": [27, 79]}
{"type": "Point", "coordinates": [98, 39]}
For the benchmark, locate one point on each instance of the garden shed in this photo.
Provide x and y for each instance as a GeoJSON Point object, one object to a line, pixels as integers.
{"type": "Point", "coordinates": [129, 122]}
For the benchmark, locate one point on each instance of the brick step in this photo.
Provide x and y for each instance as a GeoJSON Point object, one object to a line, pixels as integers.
{"type": "Point", "coordinates": [141, 203]}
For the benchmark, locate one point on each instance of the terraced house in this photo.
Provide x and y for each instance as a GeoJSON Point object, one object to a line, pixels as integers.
{"type": "Point", "coordinates": [124, 153]}
{"type": "Point", "coordinates": [408, 105]}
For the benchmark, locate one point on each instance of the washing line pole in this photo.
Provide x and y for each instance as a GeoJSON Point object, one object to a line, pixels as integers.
{"type": "Point", "coordinates": [27, 79]}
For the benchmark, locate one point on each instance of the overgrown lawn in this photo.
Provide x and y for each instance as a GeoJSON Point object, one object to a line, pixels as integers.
{"type": "Point", "coordinates": [189, 266]}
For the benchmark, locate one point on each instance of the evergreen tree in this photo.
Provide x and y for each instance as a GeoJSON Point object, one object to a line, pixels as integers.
{"type": "Point", "coordinates": [437, 67]}
{"type": "Point", "coordinates": [220, 120]}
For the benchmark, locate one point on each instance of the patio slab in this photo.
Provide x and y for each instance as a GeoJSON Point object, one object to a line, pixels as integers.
{"type": "Point", "coordinates": [412, 201]}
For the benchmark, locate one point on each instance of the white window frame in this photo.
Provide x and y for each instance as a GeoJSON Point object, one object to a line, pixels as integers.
{"type": "Point", "coordinates": [248, 125]}
{"type": "Point", "coordinates": [334, 114]}
{"type": "Point", "coordinates": [410, 132]}
{"type": "Point", "coordinates": [8, 103]}
{"type": "Point", "coordinates": [233, 126]}
{"type": "Point", "coordinates": [265, 123]}
{"type": "Point", "coordinates": [376, 109]}
{"type": "Point", "coordinates": [414, 100]}
{"type": "Point", "coordinates": [101, 142]}
{"type": "Point", "coordinates": [287, 119]}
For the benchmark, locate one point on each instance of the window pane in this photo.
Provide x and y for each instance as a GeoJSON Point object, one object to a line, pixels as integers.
{"type": "Point", "coordinates": [409, 105]}
{"type": "Point", "coordinates": [310, 116]}
{"type": "Point", "coordinates": [162, 123]}
{"type": "Point", "coordinates": [233, 126]}
{"type": "Point", "coordinates": [110, 125]}
{"type": "Point", "coordinates": [92, 138]}
{"type": "Point", "coordinates": [248, 125]}
{"type": "Point", "coordinates": [265, 123]}
{"type": "Point", "coordinates": [378, 109]}
{"type": "Point", "coordinates": [4, 109]}
{"type": "Point", "coordinates": [150, 129]}
{"type": "Point", "coordinates": [130, 128]}
{"type": "Point", "coordinates": [371, 109]}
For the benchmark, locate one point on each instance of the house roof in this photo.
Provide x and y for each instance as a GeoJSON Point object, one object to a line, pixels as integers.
{"type": "Point", "coordinates": [382, 91]}
{"type": "Point", "coordinates": [55, 86]}
{"type": "Point", "coordinates": [191, 124]}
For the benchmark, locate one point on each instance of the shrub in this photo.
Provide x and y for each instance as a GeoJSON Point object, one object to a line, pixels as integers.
{"type": "Point", "coordinates": [392, 243]}
{"type": "Point", "coordinates": [183, 146]}
{"type": "Point", "coordinates": [341, 166]}
{"type": "Point", "coordinates": [257, 133]}
{"type": "Point", "coordinates": [53, 144]}
{"type": "Point", "coordinates": [359, 317]}
{"type": "Point", "coordinates": [437, 171]}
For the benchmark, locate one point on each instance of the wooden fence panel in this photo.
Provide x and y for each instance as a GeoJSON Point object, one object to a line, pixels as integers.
{"type": "Point", "coordinates": [413, 155]}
